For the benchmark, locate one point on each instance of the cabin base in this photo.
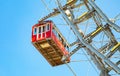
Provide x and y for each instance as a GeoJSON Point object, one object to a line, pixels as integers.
{"type": "Point", "coordinates": [50, 51]}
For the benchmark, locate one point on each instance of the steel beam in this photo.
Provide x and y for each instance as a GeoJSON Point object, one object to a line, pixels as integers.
{"type": "Point", "coordinates": [64, 58]}
{"type": "Point", "coordinates": [116, 27]}
{"type": "Point", "coordinates": [95, 59]}
{"type": "Point", "coordinates": [106, 60]}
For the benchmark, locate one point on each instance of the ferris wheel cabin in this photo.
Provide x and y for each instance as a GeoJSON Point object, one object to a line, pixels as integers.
{"type": "Point", "coordinates": [47, 39]}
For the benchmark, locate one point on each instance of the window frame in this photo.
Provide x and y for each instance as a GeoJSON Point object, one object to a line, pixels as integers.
{"type": "Point", "coordinates": [48, 27]}
{"type": "Point", "coordinates": [43, 29]}
{"type": "Point", "coordinates": [39, 31]}
{"type": "Point", "coordinates": [34, 33]}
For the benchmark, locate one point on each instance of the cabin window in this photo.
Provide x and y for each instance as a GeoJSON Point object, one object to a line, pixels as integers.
{"type": "Point", "coordinates": [35, 31]}
{"type": "Point", "coordinates": [53, 30]}
{"type": "Point", "coordinates": [59, 37]}
{"type": "Point", "coordinates": [64, 44]}
{"type": "Point", "coordinates": [62, 41]}
{"type": "Point", "coordinates": [48, 27]}
{"type": "Point", "coordinates": [39, 29]}
{"type": "Point", "coordinates": [43, 29]}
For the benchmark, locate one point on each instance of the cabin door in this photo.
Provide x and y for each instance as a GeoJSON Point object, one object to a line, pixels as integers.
{"type": "Point", "coordinates": [43, 32]}
{"type": "Point", "coordinates": [39, 33]}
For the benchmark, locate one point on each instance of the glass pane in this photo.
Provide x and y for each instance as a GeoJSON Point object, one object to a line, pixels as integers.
{"type": "Point", "coordinates": [39, 29]}
{"type": "Point", "coordinates": [43, 28]}
{"type": "Point", "coordinates": [35, 30]}
{"type": "Point", "coordinates": [48, 27]}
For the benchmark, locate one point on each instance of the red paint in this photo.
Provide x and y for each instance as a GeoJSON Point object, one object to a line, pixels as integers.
{"type": "Point", "coordinates": [46, 35]}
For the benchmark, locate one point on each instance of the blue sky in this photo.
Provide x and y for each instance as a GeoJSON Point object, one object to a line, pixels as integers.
{"type": "Point", "coordinates": [18, 57]}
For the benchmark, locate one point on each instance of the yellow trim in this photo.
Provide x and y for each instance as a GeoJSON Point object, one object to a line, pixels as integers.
{"type": "Point", "coordinates": [82, 15]}
{"type": "Point", "coordinates": [95, 32]}
{"type": "Point", "coordinates": [115, 47]}
{"type": "Point", "coordinates": [70, 2]}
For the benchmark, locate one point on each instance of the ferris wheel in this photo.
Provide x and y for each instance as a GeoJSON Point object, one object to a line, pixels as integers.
{"type": "Point", "coordinates": [76, 31]}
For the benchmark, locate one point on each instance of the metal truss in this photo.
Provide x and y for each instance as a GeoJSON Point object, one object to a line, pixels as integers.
{"type": "Point", "coordinates": [102, 56]}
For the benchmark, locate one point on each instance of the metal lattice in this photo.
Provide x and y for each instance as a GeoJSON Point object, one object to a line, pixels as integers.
{"type": "Point", "coordinates": [100, 39]}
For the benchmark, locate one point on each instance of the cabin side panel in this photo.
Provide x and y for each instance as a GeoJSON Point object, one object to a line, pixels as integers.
{"type": "Point", "coordinates": [33, 34]}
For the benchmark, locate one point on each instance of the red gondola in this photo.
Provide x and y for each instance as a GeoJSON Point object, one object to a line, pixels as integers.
{"type": "Point", "coordinates": [49, 42]}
